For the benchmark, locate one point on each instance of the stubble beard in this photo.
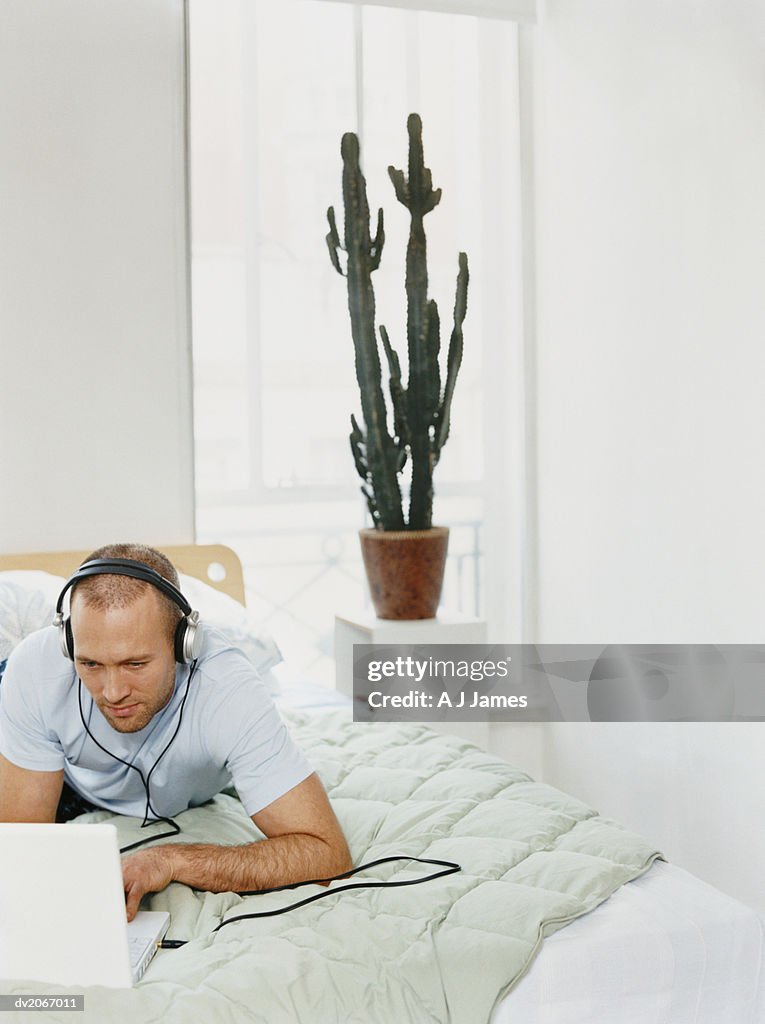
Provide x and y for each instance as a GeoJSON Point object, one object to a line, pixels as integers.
{"type": "Point", "coordinates": [143, 714]}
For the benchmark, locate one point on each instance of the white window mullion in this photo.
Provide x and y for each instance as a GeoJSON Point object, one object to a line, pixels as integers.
{"type": "Point", "coordinates": [358, 67]}
{"type": "Point", "coordinates": [528, 514]}
{"type": "Point", "coordinates": [251, 197]}
{"type": "Point", "coordinates": [503, 311]}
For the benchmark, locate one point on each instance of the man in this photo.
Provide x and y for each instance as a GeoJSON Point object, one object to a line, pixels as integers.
{"type": "Point", "coordinates": [133, 731]}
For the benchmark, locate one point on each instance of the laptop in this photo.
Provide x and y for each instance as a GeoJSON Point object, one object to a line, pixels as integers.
{"type": "Point", "coordinates": [62, 908]}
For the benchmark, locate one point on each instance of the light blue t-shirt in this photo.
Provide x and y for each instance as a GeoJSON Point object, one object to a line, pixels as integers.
{"type": "Point", "coordinates": [229, 733]}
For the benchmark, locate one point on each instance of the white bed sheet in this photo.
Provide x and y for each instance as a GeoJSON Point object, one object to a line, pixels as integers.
{"type": "Point", "coordinates": [665, 949]}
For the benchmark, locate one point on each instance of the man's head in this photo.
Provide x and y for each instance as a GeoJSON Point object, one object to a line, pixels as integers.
{"type": "Point", "coordinates": [123, 631]}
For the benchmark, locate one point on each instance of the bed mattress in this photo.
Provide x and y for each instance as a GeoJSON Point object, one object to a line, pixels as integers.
{"type": "Point", "coordinates": [665, 949]}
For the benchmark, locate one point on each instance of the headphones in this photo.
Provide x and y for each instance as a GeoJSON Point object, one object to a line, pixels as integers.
{"type": "Point", "coordinates": [187, 642]}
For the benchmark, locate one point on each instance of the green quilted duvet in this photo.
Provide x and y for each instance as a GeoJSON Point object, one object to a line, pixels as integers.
{"type": "Point", "coordinates": [532, 860]}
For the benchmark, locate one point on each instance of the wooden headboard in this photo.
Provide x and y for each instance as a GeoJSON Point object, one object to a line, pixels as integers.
{"type": "Point", "coordinates": [214, 564]}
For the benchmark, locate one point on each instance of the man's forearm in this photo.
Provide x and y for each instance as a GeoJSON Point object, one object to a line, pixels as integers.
{"type": "Point", "coordinates": [27, 795]}
{"type": "Point", "coordinates": [271, 862]}
{"type": "Point", "coordinates": [283, 860]}
{"type": "Point", "coordinates": [306, 842]}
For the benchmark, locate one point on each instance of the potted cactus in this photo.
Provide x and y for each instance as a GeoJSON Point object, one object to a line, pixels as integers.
{"type": "Point", "coordinates": [404, 553]}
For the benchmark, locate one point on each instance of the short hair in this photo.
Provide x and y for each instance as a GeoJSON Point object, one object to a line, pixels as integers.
{"type": "Point", "coordinates": [109, 590]}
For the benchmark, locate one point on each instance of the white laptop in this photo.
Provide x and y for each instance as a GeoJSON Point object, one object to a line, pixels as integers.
{"type": "Point", "coordinates": [62, 908]}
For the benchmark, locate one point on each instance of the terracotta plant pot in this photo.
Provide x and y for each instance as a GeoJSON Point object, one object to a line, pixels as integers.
{"type": "Point", "coordinates": [405, 570]}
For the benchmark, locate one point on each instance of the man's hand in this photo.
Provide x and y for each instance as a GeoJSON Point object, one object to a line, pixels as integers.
{"type": "Point", "coordinates": [145, 871]}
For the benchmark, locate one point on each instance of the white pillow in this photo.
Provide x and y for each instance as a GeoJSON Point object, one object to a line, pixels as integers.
{"type": "Point", "coordinates": [22, 611]}
{"type": "Point", "coordinates": [224, 613]}
{"type": "Point", "coordinates": [50, 586]}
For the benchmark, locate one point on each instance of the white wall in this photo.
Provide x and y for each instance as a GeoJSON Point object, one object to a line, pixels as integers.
{"type": "Point", "coordinates": [650, 155]}
{"type": "Point", "coordinates": [95, 388]}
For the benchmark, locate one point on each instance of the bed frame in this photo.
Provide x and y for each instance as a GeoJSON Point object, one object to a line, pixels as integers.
{"type": "Point", "coordinates": [214, 564]}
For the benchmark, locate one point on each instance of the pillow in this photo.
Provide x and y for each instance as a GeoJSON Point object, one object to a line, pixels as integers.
{"type": "Point", "coordinates": [50, 586]}
{"type": "Point", "coordinates": [23, 610]}
{"type": "Point", "coordinates": [231, 618]}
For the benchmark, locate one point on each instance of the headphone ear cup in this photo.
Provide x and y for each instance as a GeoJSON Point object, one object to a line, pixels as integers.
{"type": "Point", "coordinates": [192, 644]}
{"type": "Point", "coordinates": [178, 641]}
{"type": "Point", "coordinates": [188, 639]}
{"type": "Point", "coordinates": [67, 640]}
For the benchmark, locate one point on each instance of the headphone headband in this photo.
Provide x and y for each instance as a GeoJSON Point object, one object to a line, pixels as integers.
{"type": "Point", "coordinates": [124, 567]}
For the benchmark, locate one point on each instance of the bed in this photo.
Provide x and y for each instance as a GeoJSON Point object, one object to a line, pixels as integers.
{"type": "Point", "coordinates": [558, 916]}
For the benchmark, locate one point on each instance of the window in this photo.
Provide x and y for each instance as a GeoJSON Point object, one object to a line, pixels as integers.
{"type": "Point", "coordinates": [274, 84]}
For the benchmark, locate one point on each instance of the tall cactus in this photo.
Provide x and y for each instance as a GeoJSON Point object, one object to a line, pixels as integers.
{"type": "Point", "coordinates": [375, 453]}
{"type": "Point", "coordinates": [428, 410]}
{"type": "Point", "coordinates": [421, 411]}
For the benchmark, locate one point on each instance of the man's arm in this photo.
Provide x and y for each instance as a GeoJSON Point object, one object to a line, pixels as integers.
{"type": "Point", "coordinates": [27, 795]}
{"type": "Point", "coordinates": [304, 841]}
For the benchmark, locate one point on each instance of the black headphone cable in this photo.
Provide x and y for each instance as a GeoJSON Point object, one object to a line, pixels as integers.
{"type": "Point", "coordinates": [449, 868]}
{"type": "Point", "coordinates": [176, 828]}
